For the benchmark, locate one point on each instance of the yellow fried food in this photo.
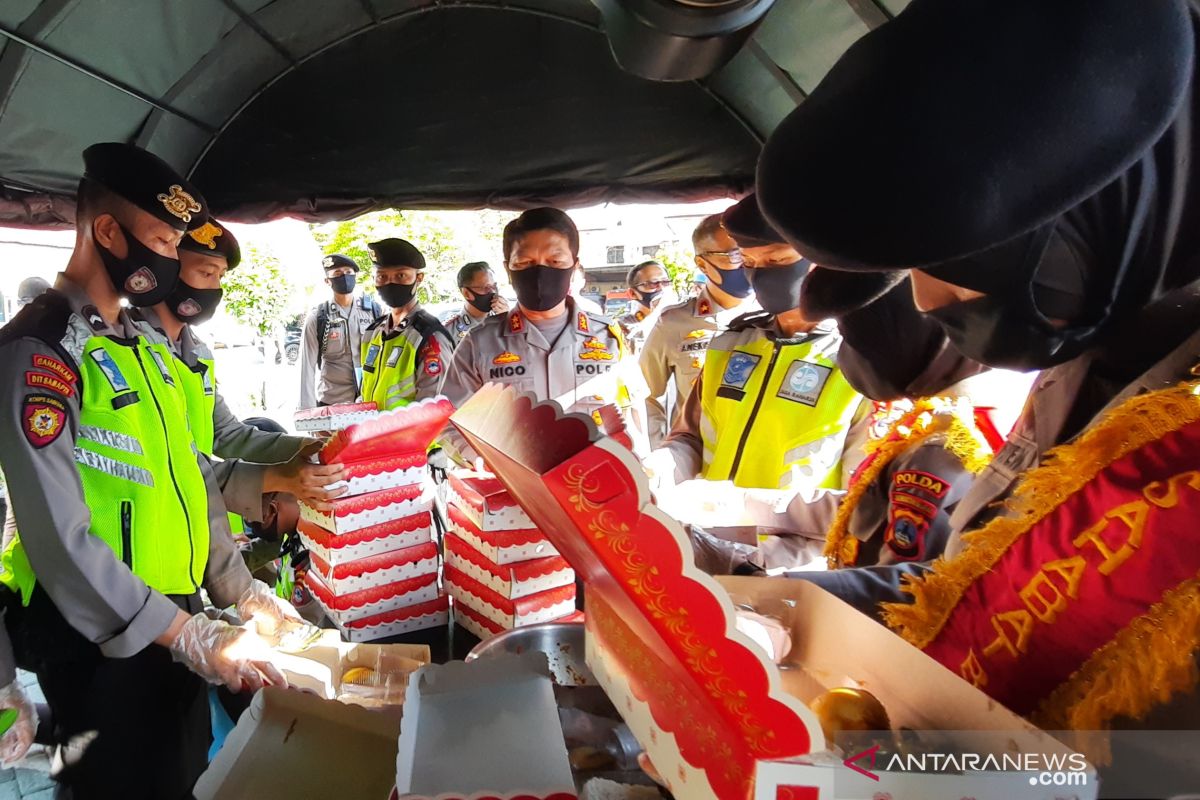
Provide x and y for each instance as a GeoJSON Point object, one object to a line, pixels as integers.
{"type": "Point", "coordinates": [845, 709]}
{"type": "Point", "coordinates": [359, 676]}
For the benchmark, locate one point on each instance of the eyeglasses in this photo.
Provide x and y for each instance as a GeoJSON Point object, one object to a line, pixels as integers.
{"type": "Point", "coordinates": [734, 256]}
{"type": "Point", "coordinates": [649, 286]}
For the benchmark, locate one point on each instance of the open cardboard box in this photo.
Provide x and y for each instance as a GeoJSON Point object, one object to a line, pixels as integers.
{"type": "Point", "coordinates": [319, 668]}
{"type": "Point", "coordinates": [296, 746]}
{"type": "Point", "coordinates": [716, 717]}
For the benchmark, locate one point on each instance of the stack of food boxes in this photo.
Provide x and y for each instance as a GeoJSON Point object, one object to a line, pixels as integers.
{"type": "Point", "coordinates": [373, 557]}
{"type": "Point", "coordinates": [500, 569]}
{"type": "Point", "coordinates": [334, 418]}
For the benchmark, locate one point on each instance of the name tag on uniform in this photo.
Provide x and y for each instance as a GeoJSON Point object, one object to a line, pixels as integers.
{"type": "Point", "coordinates": [394, 357]}
{"type": "Point", "coordinates": [372, 357]}
{"type": "Point", "coordinates": [804, 383]}
{"type": "Point", "coordinates": [738, 371]}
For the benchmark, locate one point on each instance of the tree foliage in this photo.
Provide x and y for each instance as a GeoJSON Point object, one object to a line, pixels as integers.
{"type": "Point", "coordinates": [257, 290]}
{"type": "Point", "coordinates": [678, 260]}
{"type": "Point", "coordinates": [447, 239]}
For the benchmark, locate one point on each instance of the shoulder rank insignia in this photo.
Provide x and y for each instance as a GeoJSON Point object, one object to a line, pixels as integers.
{"type": "Point", "coordinates": [179, 203]}
{"type": "Point", "coordinates": [583, 323]}
{"type": "Point", "coordinates": [516, 323]}
{"type": "Point", "coordinates": [703, 307]}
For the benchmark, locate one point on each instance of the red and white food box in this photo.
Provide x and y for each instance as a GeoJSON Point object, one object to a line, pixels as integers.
{"type": "Point", "coordinates": [507, 613]}
{"type": "Point", "coordinates": [334, 418]}
{"type": "Point", "coordinates": [406, 430]}
{"type": "Point", "coordinates": [350, 514]}
{"type": "Point", "coordinates": [374, 601]}
{"type": "Point", "coordinates": [377, 474]}
{"type": "Point", "coordinates": [406, 619]}
{"type": "Point", "coordinates": [716, 716]}
{"type": "Point", "coordinates": [486, 503]}
{"type": "Point", "coordinates": [367, 573]}
{"type": "Point", "coordinates": [499, 547]}
{"type": "Point", "coordinates": [336, 549]}
{"type": "Point", "coordinates": [514, 580]}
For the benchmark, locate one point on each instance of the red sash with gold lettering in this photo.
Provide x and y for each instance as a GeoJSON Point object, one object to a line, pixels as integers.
{"type": "Point", "coordinates": [1083, 602]}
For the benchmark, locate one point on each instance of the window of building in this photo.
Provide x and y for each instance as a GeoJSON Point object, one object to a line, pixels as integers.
{"type": "Point", "coordinates": [616, 255]}
{"type": "Point", "coordinates": [650, 250]}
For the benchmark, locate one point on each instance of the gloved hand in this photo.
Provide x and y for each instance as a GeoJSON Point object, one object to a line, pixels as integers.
{"type": "Point", "coordinates": [269, 614]}
{"type": "Point", "coordinates": [659, 467]}
{"type": "Point", "coordinates": [16, 740]}
{"type": "Point", "coordinates": [315, 484]}
{"type": "Point", "coordinates": [225, 654]}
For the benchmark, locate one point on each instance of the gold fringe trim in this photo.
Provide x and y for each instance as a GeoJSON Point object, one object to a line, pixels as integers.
{"type": "Point", "coordinates": [1065, 470]}
{"type": "Point", "coordinates": [1147, 662]}
{"type": "Point", "coordinates": [929, 416]}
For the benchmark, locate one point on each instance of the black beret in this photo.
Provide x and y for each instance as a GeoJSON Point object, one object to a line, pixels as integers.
{"type": "Point", "coordinates": [746, 224]}
{"type": "Point", "coordinates": [147, 181]}
{"type": "Point", "coordinates": [961, 124]}
{"type": "Point", "coordinates": [396, 253]}
{"type": "Point", "coordinates": [213, 238]}
{"type": "Point", "coordinates": [338, 260]}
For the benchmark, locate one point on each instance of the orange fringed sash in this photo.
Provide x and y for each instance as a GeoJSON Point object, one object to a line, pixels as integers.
{"type": "Point", "coordinates": [928, 417]}
{"type": "Point", "coordinates": [1096, 614]}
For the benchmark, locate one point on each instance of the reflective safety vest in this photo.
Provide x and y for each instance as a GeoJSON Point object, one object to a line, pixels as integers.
{"type": "Point", "coordinates": [138, 466]}
{"type": "Point", "coordinates": [775, 413]}
{"type": "Point", "coordinates": [199, 388]}
{"type": "Point", "coordinates": [389, 364]}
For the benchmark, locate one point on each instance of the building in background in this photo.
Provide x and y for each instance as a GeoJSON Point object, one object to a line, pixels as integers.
{"type": "Point", "coordinates": [26, 254]}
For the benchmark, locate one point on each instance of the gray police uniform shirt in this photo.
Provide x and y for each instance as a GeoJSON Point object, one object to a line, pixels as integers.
{"type": "Point", "coordinates": [93, 589]}
{"type": "Point", "coordinates": [336, 380]}
{"type": "Point", "coordinates": [461, 324]}
{"type": "Point", "coordinates": [243, 448]}
{"type": "Point", "coordinates": [674, 350]}
{"type": "Point", "coordinates": [583, 369]}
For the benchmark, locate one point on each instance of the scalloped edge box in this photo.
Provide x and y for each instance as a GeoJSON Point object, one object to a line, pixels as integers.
{"type": "Point", "coordinates": [335, 549]}
{"type": "Point", "coordinates": [486, 502]}
{"type": "Point", "coordinates": [423, 616]}
{"type": "Point", "coordinates": [351, 514]}
{"type": "Point", "coordinates": [541, 607]}
{"type": "Point", "coordinates": [334, 418]}
{"type": "Point", "coordinates": [365, 574]}
{"type": "Point", "coordinates": [345, 609]}
{"type": "Point", "coordinates": [499, 547]}
{"type": "Point", "coordinates": [716, 716]}
{"type": "Point", "coordinates": [514, 580]}
{"type": "Point", "coordinates": [484, 728]}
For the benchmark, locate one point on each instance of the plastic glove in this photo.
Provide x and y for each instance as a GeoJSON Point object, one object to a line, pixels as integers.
{"type": "Point", "coordinates": [711, 504]}
{"type": "Point", "coordinates": [315, 484]}
{"type": "Point", "coordinates": [659, 467]}
{"type": "Point", "coordinates": [16, 740]}
{"type": "Point", "coordinates": [272, 616]}
{"type": "Point", "coordinates": [225, 654]}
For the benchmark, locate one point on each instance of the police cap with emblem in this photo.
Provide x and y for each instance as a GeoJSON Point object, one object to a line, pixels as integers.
{"type": "Point", "coordinates": [338, 260]}
{"type": "Point", "coordinates": [213, 238]}
{"type": "Point", "coordinates": [146, 181]}
{"type": "Point", "coordinates": [962, 124]}
{"type": "Point", "coordinates": [396, 253]}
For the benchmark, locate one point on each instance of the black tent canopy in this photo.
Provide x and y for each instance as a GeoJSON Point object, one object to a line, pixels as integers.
{"type": "Point", "coordinates": [326, 109]}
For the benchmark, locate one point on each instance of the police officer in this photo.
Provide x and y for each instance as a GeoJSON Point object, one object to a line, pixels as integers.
{"type": "Point", "coordinates": [675, 346]}
{"type": "Point", "coordinates": [651, 289]}
{"type": "Point", "coordinates": [112, 532]}
{"type": "Point", "coordinates": [330, 370]}
{"type": "Point", "coordinates": [29, 289]}
{"type": "Point", "coordinates": [771, 413]}
{"type": "Point", "coordinates": [547, 346]}
{"type": "Point", "coordinates": [477, 285]}
{"type": "Point", "coordinates": [404, 355]}
{"type": "Point", "coordinates": [1085, 273]}
{"type": "Point", "coordinates": [205, 255]}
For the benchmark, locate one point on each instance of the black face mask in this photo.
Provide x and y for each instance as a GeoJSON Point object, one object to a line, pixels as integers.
{"type": "Point", "coordinates": [734, 282]}
{"type": "Point", "coordinates": [194, 306]}
{"type": "Point", "coordinates": [343, 284]}
{"type": "Point", "coordinates": [541, 288]}
{"type": "Point", "coordinates": [482, 302]}
{"type": "Point", "coordinates": [143, 277]}
{"type": "Point", "coordinates": [1009, 327]}
{"type": "Point", "coordinates": [778, 288]}
{"type": "Point", "coordinates": [397, 295]}
{"type": "Point", "coordinates": [648, 298]}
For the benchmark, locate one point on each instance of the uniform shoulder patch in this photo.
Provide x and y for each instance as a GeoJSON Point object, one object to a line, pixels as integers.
{"type": "Point", "coordinates": [40, 380]}
{"type": "Point", "coordinates": [920, 483]}
{"type": "Point", "coordinates": [55, 367]}
{"type": "Point", "coordinates": [43, 419]}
